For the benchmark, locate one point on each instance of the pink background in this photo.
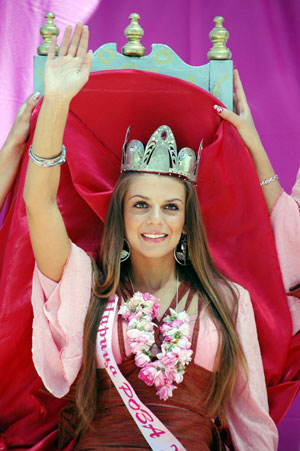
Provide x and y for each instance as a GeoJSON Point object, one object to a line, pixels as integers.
{"type": "Point", "coordinates": [265, 44]}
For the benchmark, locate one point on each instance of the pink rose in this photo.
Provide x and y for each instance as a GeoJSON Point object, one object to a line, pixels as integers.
{"type": "Point", "coordinates": [136, 315]}
{"type": "Point", "coordinates": [149, 297]}
{"type": "Point", "coordinates": [169, 375]}
{"type": "Point", "coordinates": [185, 355]}
{"type": "Point", "coordinates": [147, 374]}
{"type": "Point", "coordinates": [168, 359]}
{"type": "Point", "coordinates": [184, 343]}
{"type": "Point", "coordinates": [145, 325]}
{"type": "Point", "coordinates": [134, 334]}
{"type": "Point", "coordinates": [137, 347]}
{"type": "Point", "coordinates": [141, 359]}
{"type": "Point", "coordinates": [164, 328]}
{"type": "Point", "coordinates": [159, 379]}
{"type": "Point", "coordinates": [177, 323]}
{"type": "Point", "coordinates": [165, 391]}
{"type": "Point", "coordinates": [155, 312]}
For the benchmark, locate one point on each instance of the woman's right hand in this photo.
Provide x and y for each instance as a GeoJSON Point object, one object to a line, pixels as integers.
{"type": "Point", "coordinates": [65, 75]}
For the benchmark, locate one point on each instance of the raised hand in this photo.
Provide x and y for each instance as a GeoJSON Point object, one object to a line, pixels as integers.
{"type": "Point", "coordinates": [242, 120]}
{"type": "Point", "coordinates": [68, 73]}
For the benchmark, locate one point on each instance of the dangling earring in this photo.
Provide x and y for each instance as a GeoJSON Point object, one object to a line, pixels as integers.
{"type": "Point", "coordinates": [181, 254]}
{"type": "Point", "coordinates": [125, 253]}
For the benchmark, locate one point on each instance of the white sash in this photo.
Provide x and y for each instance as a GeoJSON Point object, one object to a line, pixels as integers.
{"type": "Point", "coordinates": [157, 435]}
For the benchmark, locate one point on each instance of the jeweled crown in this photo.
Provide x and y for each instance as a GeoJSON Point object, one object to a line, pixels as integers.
{"type": "Point", "coordinates": [160, 156]}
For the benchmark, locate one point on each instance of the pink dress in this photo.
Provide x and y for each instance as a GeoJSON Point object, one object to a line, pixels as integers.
{"type": "Point", "coordinates": [285, 222]}
{"type": "Point", "coordinates": [59, 313]}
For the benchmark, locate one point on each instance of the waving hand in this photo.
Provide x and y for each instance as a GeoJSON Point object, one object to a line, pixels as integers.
{"type": "Point", "coordinates": [68, 73]}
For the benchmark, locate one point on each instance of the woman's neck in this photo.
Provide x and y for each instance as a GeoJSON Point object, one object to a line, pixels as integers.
{"type": "Point", "coordinates": [153, 275]}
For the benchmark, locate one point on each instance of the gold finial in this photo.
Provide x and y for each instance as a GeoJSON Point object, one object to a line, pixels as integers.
{"type": "Point", "coordinates": [48, 30]}
{"type": "Point", "coordinates": [219, 36]}
{"type": "Point", "coordinates": [134, 33]}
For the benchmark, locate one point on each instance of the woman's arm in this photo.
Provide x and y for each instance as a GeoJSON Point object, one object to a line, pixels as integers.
{"type": "Point", "coordinates": [242, 119]}
{"type": "Point", "coordinates": [63, 79]}
{"type": "Point", "coordinates": [12, 150]}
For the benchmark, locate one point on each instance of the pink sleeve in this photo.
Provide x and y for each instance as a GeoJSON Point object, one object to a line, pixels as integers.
{"type": "Point", "coordinates": [250, 425]}
{"type": "Point", "coordinates": [296, 189]}
{"type": "Point", "coordinates": [285, 223]}
{"type": "Point", "coordinates": [59, 312]}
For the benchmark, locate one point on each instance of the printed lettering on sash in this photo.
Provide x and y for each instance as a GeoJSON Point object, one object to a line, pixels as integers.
{"type": "Point", "coordinates": [154, 431]}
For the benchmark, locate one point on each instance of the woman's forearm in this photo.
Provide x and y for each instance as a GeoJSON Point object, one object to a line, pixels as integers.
{"type": "Point", "coordinates": [42, 183]}
{"type": "Point", "coordinates": [265, 172]}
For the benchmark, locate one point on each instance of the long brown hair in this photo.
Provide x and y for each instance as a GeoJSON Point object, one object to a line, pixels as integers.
{"type": "Point", "coordinates": [215, 289]}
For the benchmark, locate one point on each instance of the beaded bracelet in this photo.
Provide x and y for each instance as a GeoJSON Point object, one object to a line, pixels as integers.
{"type": "Point", "coordinates": [48, 162]}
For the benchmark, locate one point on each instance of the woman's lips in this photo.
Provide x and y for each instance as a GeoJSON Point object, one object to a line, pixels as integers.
{"type": "Point", "coordinates": [154, 237]}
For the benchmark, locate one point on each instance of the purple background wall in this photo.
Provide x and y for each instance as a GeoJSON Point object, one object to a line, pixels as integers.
{"type": "Point", "coordinates": [264, 40]}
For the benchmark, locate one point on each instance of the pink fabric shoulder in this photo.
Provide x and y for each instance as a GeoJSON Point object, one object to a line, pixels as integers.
{"type": "Point", "coordinates": [250, 424]}
{"type": "Point", "coordinates": [58, 326]}
{"type": "Point", "coordinates": [285, 223]}
{"type": "Point", "coordinates": [296, 189]}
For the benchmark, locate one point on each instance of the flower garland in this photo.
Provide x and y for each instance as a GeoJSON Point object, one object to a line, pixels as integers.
{"type": "Point", "coordinates": [169, 365]}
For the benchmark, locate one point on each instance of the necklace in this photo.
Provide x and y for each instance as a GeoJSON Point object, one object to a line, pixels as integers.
{"type": "Point", "coordinates": [168, 366]}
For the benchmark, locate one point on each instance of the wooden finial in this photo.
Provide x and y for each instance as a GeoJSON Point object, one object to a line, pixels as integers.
{"type": "Point", "coordinates": [48, 30]}
{"type": "Point", "coordinates": [134, 33]}
{"type": "Point", "coordinates": [219, 36]}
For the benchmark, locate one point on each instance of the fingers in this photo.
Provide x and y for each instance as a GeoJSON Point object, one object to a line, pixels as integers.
{"type": "Point", "coordinates": [78, 45]}
{"type": "Point", "coordinates": [228, 115]}
{"type": "Point", "coordinates": [52, 48]}
{"type": "Point", "coordinates": [84, 42]}
{"type": "Point", "coordinates": [63, 49]}
{"type": "Point", "coordinates": [28, 106]}
{"type": "Point", "coordinates": [32, 101]}
{"type": "Point", "coordinates": [75, 39]}
{"type": "Point", "coordinates": [240, 95]}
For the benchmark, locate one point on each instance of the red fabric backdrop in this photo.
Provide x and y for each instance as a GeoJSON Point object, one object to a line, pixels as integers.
{"type": "Point", "coordinates": [233, 209]}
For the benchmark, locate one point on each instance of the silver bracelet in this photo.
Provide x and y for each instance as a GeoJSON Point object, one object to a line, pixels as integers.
{"type": "Point", "coordinates": [48, 162]}
{"type": "Point", "coordinates": [270, 180]}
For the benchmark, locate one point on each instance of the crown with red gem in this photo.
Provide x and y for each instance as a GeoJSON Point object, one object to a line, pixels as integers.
{"type": "Point", "coordinates": [160, 156]}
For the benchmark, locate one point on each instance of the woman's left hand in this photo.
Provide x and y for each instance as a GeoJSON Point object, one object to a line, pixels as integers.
{"type": "Point", "coordinates": [241, 117]}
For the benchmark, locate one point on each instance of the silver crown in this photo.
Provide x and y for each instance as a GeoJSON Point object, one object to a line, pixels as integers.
{"type": "Point", "coordinates": [160, 156]}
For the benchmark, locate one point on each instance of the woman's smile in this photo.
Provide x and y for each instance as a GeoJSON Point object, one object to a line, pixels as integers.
{"type": "Point", "coordinates": [154, 237]}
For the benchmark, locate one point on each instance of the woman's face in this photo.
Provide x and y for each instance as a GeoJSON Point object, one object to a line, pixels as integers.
{"type": "Point", "coordinates": [154, 214]}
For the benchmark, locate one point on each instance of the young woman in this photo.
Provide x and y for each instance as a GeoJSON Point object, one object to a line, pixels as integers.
{"type": "Point", "coordinates": [184, 339]}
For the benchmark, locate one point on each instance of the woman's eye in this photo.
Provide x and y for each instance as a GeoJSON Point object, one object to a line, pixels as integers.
{"type": "Point", "coordinates": [140, 204]}
{"type": "Point", "coordinates": [173, 207]}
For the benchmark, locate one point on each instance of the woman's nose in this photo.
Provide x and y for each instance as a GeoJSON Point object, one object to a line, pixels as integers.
{"type": "Point", "coordinates": [154, 216]}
